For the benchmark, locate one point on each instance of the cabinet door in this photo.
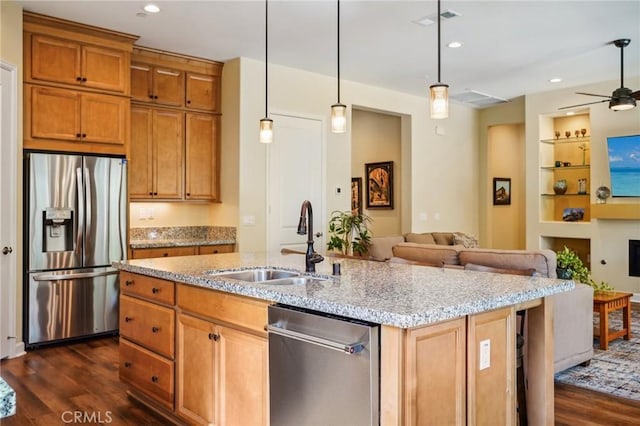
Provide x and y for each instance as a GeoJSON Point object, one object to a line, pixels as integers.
{"type": "Point", "coordinates": [435, 368]}
{"type": "Point", "coordinates": [168, 147]}
{"type": "Point", "coordinates": [202, 92]}
{"type": "Point", "coordinates": [196, 371]}
{"type": "Point", "coordinates": [104, 118]}
{"type": "Point", "coordinates": [104, 69]}
{"type": "Point", "coordinates": [141, 154]}
{"type": "Point", "coordinates": [54, 113]}
{"type": "Point", "coordinates": [168, 86]}
{"type": "Point", "coordinates": [55, 60]}
{"type": "Point", "coordinates": [163, 252]}
{"type": "Point", "coordinates": [201, 157]}
{"type": "Point", "coordinates": [491, 364]}
{"type": "Point", "coordinates": [141, 82]}
{"type": "Point", "coordinates": [243, 378]}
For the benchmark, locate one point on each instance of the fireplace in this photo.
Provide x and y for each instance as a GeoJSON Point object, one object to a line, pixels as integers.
{"type": "Point", "coordinates": [634, 258]}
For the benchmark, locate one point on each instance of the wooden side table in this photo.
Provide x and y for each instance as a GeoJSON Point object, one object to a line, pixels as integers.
{"type": "Point", "coordinates": [605, 302]}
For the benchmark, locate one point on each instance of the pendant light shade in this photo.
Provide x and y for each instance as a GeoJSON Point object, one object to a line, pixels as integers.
{"type": "Point", "coordinates": [266, 124]}
{"type": "Point", "coordinates": [338, 110]}
{"type": "Point", "coordinates": [439, 92]}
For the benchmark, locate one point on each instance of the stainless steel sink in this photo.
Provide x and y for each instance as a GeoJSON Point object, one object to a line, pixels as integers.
{"type": "Point", "coordinates": [257, 275]}
{"type": "Point", "coordinates": [294, 281]}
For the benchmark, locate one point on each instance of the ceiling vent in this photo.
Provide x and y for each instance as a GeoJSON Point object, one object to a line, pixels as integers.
{"type": "Point", "coordinates": [477, 99]}
{"type": "Point", "coordinates": [431, 19]}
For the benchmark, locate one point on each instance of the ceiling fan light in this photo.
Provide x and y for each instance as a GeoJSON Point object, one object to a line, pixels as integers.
{"type": "Point", "coordinates": [621, 100]}
{"type": "Point", "coordinates": [266, 130]}
{"type": "Point", "coordinates": [439, 100]}
{"type": "Point", "coordinates": [338, 118]}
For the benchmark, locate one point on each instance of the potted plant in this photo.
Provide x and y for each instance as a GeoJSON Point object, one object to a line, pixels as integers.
{"type": "Point", "coordinates": [570, 267]}
{"type": "Point", "coordinates": [349, 233]}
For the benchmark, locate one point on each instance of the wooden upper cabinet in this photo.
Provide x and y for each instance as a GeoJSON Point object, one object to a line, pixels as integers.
{"type": "Point", "coordinates": [71, 115]}
{"type": "Point", "coordinates": [159, 85]}
{"type": "Point", "coordinates": [67, 62]}
{"type": "Point", "coordinates": [140, 170]}
{"type": "Point", "coordinates": [203, 92]}
{"type": "Point", "coordinates": [201, 157]}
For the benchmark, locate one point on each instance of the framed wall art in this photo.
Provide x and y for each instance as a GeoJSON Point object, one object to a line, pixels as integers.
{"type": "Point", "coordinates": [379, 185]}
{"type": "Point", "coordinates": [501, 191]}
{"type": "Point", "coordinates": [356, 195]}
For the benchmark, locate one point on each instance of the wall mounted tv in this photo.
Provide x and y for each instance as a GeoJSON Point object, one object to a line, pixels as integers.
{"type": "Point", "coordinates": [624, 165]}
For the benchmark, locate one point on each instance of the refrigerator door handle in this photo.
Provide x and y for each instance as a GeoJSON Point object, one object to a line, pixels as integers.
{"type": "Point", "coordinates": [87, 206]}
{"type": "Point", "coordinates": [66, 277]}
{"type": "Point", "coordinates": [80, 229]}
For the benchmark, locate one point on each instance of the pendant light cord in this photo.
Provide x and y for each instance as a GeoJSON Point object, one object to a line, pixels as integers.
{"type": "Point", "coordinates": [266, 57]}
{"type": "Point", "coordinates": [338, 51]}
{"type": "Point", "coordinates": [439, 41]}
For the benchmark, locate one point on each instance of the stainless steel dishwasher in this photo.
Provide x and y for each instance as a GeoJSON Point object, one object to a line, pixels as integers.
{"type": "Point", "coordinates": [323, 370]}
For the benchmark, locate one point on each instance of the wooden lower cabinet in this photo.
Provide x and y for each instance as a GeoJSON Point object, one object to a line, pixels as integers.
{"type": "Point", "coordinates": [144, 253]}
{"type": "Point", "coordinates": [220, 248]}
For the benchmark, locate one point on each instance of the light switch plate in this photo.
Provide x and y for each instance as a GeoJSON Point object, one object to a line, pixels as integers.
{"type": "Point", "coordinates": [485, 354]}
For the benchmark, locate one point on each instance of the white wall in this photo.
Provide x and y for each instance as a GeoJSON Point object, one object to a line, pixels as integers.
{"type": "Point", "coordinates": [443, 169]}
{"type": "Point", "coordinates": [609, 238]}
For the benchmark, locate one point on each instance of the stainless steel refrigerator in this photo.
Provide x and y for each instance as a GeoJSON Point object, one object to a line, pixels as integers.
{"type": "Point", "coordinates": [75, 224]}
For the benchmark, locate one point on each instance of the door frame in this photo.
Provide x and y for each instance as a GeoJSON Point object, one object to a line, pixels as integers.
{"type": "Point", "coordinates": [9, 158]}
{"type": "Point", "coordinates": [320, 213]}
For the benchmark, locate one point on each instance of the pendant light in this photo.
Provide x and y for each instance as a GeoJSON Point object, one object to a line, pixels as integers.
{"type": "Point", "coordinates": [338, 110]}
{"type": "Point", "coordinates": [439, 92]}
{"type": "Point", "coordinates": [266, 124]}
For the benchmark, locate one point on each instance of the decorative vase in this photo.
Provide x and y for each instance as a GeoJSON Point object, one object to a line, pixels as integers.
{"type": "Point", "coordinates": [564, 274]}
{"type": "Point", "coordinates": [560, 187]}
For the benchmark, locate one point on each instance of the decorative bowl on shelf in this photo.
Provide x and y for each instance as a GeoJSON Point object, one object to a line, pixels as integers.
{"type": "Point", "coordinates": [602, 194]}
{"type": "Point", "coordinates": [560, 187]}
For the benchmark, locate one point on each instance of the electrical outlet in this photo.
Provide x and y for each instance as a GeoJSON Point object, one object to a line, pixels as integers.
{"type": "Point", "coordinates": [485, 354]}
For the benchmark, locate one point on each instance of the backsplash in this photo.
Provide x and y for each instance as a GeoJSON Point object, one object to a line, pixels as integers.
{"type": "Point", "coordinates": [183, 233]}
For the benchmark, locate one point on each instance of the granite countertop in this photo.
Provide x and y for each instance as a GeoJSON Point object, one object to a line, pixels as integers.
{"type": "Point", "coordinates": [392, 294]}
{"type": "Point", "coordinates": [176, 242]}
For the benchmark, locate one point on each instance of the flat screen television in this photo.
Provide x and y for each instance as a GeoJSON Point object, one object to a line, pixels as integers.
{"type": "Point", "coordinates": [624, 165]}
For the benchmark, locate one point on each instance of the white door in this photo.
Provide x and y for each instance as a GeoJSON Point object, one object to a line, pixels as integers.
{"type": "Point", "coordinates": [8, 159]}
{"type": "Point", "coordinates": [295, 175]}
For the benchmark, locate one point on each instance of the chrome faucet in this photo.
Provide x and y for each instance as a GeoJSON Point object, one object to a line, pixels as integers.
{"type": "Point", "coordinates": [311, 257]}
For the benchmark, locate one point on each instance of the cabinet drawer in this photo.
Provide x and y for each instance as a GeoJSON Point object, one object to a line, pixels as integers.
{"type": "Point", "coordinates": [154, 289]}
{"type": "Point", "coordinates": [150, 325]}
{"type": "Point", "coordinates": [220, 248]}
{"type": "Point", "coordinates": [163, 252]}
{"type": "Point", "coordinates": [148, 372]}
{"type": "Point", "coordinates": [237, 310]}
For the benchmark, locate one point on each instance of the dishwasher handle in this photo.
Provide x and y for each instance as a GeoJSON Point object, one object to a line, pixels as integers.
{"type": "Point", "coordinates": [349, 349]}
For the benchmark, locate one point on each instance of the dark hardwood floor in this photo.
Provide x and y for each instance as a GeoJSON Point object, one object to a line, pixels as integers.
{"type": "Point", "coordinates": [53, 384]}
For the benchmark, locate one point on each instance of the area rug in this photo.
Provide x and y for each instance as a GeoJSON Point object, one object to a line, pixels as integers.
{"type": "Point", "coordinates": [615, 371]}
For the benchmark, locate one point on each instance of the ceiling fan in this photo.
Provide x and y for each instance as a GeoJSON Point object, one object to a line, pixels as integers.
{"type": "Point", "coordinates": [622, 98]}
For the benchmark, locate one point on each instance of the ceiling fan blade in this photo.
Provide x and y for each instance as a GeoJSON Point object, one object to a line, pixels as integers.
{"type": "Point", "coordinates": [588, 103]}
{"type": "Point", "coordinates": [636, 95]}
{"type": "Point", "coordinates": [592, 94]}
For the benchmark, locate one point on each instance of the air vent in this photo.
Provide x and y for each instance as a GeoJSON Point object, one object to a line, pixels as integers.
{"type": "Point", "coordinates": [431, 19]}
{"type": "Point", "coordinates": [478, 99]}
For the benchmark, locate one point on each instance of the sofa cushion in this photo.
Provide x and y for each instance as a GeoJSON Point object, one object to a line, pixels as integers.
{"type": "Point", "coordinates": [432, 254]}
{"type": "Point", "coordinates": [404, 261]}
{"type": "Point", "coordinates": [380, 248]}
{"type": "Point", "coordinates": [443, 238]}
{"type": "Point", "coordinates": [543, 261]}
{"type": "Point", "coordinates": [466, 240]}
{"type": "Point", "coordinates": [481, 268]}
{"type": "Point", "coordinates": [425, 238]}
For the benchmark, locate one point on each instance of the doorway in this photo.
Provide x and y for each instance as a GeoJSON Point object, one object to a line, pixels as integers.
{"type": "Point", "coordinates": [8, 220]}
{"type": "Point", "coordinates": [295, 163]}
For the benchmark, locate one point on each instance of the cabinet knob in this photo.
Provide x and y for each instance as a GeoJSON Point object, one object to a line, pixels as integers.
{"type": "Point", "coordinates": [150, 96]}
{"type": "Point", "coordinates": [154, 379]}
{"type": "Point", "coordinates": [127, 364]}
{"type": "Point", "coordinates": [84, 79]}
{"type": "Point", "coordinates": [155, 193]}
{"type": "Point", "coordinates": [155, 290]}
{"type": "Point", "coordinates": [155, 96]}
{"type": "Point", "coordinates": [155, 329]}
{"type": "Point", "coordinates": [151, 193]}
{"type": "Point", "coordinates": [188, 194]}
{"type": "Point", "coordinates": [214, 337]}
{"type": "Point", "coordinates": [188, 101]}
{"type": "Point", "coordinates": [128, 283]}
{"type": "Point", "coordinates": [165, 254]}
{"type": "Point", "coordinates": [84, 135]}
{"type": "Point", "coordinates": [128, 319]}
{"type": "Point", "coordinates": [78, 78]}
{"type": "Point", "coordinates": [78, 135]}
{"type": "Point", "coordinates": [215, 251]}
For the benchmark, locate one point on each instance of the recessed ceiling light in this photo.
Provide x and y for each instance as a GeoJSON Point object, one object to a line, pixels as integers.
{"type": "Point", "coordinates": [555, 80]}
{"type": "Point", "coordinates": [571, 113]}
{"type": "Point", "coordinates": [454, 44]}
{"type": "Point", "coordinates": [152, 8]}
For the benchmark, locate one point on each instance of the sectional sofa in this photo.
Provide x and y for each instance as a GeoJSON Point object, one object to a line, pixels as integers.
{"type": "Point", "coordinates": [573, 310]}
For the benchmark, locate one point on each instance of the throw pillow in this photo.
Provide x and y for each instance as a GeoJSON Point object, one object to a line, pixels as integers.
{"type": "Point", "coordinates": [466, 240]}
{"type": "Point", "coordinates": [443, 238]}
{"type": "Point", "coordinates": [426, 238]}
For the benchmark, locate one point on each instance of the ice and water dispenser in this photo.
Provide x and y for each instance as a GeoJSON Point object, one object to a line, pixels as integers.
{"type": "Point", "coordinates": [57, 229]}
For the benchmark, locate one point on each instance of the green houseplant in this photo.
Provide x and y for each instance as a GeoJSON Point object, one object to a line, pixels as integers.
{"type": "Point", "coordinates": [349, 233]}
{"type": "Point", "coordinates": [570, 266]}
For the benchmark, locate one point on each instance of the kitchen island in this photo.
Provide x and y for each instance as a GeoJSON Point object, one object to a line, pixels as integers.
{"type": "Point", "coordinates": [433, 323]}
